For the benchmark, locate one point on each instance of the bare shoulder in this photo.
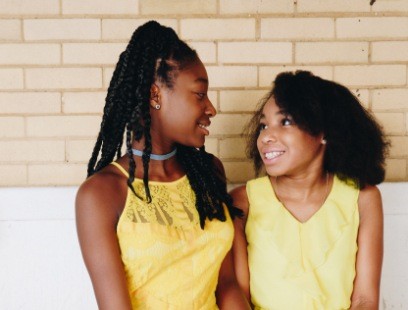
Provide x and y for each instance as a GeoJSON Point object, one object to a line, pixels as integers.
{"type": "Point", "coordinates": [370, 202]}
{"type": "Point", "coordinates": [104, 192]}
{"type": "Point", "coordinates": [240, 198]}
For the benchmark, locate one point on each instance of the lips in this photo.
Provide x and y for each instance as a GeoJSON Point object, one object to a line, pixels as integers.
{"type": "Point", "coordinates": [204, 126]}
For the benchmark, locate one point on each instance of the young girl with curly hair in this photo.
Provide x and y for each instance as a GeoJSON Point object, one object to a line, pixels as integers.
{"type": "Point", "coordinates": [312, 233]}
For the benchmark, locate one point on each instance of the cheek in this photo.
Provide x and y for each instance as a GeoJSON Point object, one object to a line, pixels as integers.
{"type": "Point", "coordinates": [259, 142]}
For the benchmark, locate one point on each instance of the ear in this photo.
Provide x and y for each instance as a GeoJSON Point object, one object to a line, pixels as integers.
{"type": "Point", "coordinates": [154, 96]}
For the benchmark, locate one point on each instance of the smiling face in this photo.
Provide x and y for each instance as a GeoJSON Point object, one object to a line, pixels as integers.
{"type": "Point", "coordinates": [185, 112]}
{"type": "Point", "coordinates": [284, 148]}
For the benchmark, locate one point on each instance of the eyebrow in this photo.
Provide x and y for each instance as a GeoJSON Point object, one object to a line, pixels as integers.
{"type": "Point", "coordinates": [280, 112]}
{"type": "Point", "coordinates": [201, 80]}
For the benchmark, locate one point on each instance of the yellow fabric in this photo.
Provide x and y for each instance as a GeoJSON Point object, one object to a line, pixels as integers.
{"type": "Point", "coordinates": [296, 265]}
{"type": "Point", "coordinates": [170, 262]}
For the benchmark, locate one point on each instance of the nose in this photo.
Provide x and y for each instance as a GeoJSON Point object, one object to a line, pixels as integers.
{"type": "Point", "coordinates": [267, 136]}
{"type": "Point", "coordinates": [209, 109]}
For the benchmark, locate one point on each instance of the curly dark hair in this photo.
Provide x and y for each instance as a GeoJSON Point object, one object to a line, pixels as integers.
{"type": "Point", "coordinates": [356, 145]}
{"type": "Point", "coordinates": [154, 53]}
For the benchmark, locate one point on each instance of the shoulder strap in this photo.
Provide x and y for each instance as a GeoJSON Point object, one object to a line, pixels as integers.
{"type": "Point", "coordinates": [120, 168]}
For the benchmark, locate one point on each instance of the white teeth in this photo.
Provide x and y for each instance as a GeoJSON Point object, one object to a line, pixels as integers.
{"type": "Point", "coordinates": [272, 155]}
{"type": "Point", "coordinates": [202, 126]}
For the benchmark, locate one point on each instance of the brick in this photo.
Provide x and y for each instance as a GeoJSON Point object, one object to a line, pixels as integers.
{"type": "Point", "coordinates": [268, 74]}
{"type": "Point", "coordinates": [56, 174]}
{"type": "Point", "coordinates": [107, 76]}
{"type": "Point", "coordinates": [10, 29]}
{"type": "Point", "coordinates": [13, 175]}
{"type": "Point", "coordinates": [390, 99]}
{"type": "Point", "coordinates": [122, 29]}
{"type": "Point", "coordinates": [63, 126]}
{"type": "Point", "coordinates": [256, 6]}
{"type": "Point", "coordinates": [389, 51]}
{"type": "Point", "coordinates": [11, 78]}
{"type": "Point", "coordinates": [211, 146]}
{"type": "Point", "coordinates": [372, 27]}
{"type": "Point", "coordinates": [165, 7]}
{"type": "Point", "coordinates": [406, 122]}
{"type": "Point", "coordinates": [326, 6]}
{"type": "Point", "coordinates": [232, 148]}
{"type": "Point", "coordinates": [393, 123]}
{"type": "Point", "coordinates": [95, 7]}
{"type": "Point", "coordinates": [331, 52]}
{"type": "Point", "coordinates": [228, 124]}
{"type": "Point", "coordinates": [29, 7]}
{"type": "Point", "coordinates": [39, 151]}
{"type": "Point", "coordinates": [30, 103]}
{"type": "Point", "coordinates": [218, 29]}
{"type": "Point", "coordinates": [239, 172]}
{"type": "Point", "coordinates": [232, 76]}
{"type": "Point", "coordinates": [297, 28]}
{"type": "Point", "coordinates": [399, 146]}
{"type": "Point", "coordinates": [396, 169]}
{"type": "Point", "coordinates": [371, 75]}
{"type": "Point", "coordinates": [212, 95]}
{"type": "Point", "coordinates": [240, 100]}
{"type": "Point", "coordinates": [83, 102]}
{"type": "Point", "coordinates": [206, 51]}
{"type": "Point", "coordinates": [92, 53]}
{"type": "Point", "coordinates": [254, 52]}
{"type": "Point", "coordinates": [80, 150]}
{"type": "Point", "coordinates": [11, 127]}
{"type": "Point", "coordinates": [62, 29]}
{"type": "Point", "coordinates": [30, 54]}
{"type": "Point", "coordinates": [390, 6]}
{"type": "Point", "coordinates": [57, 78]}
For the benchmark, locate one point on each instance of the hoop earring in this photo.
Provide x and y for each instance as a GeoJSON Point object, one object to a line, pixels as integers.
{"type": "Point", "coordinates": [157, 106]}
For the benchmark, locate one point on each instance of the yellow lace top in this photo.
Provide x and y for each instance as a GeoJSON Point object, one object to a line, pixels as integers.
{"type": "Point", "coordinates": [296, 265]}
{"type": "Point", "coordinates": [170, 262]}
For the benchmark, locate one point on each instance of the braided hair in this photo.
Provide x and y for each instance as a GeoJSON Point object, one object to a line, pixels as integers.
{"type": "Point", "coordinates": [154, 53]}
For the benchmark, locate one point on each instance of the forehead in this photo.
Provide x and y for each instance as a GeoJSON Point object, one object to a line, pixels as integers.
{"type": "Point", "coordinates": [193, 73]}
{"type": "Point", "coordinates": [270, 107]}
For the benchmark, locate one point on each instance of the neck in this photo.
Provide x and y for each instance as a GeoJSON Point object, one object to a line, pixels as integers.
{"type": "Point", "coordinates": [302, 188]}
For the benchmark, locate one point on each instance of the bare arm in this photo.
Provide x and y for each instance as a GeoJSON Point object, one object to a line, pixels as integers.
{"type": "Point", "coordinates": [239, 248]}
{"type": "Point", "coordinates": [229, 294]}
{"type": "Point", "coordinates": [366, 289]}
{"type": "Point", "coordinates": [96, 219]}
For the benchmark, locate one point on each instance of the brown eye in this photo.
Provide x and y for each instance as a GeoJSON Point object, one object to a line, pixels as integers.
{"type": "Point", "coordinates": [262, 127]}
{"type": "Point", "coordinates": [287, 121]}
{"type": "Point", "coordinates": [200, 95]}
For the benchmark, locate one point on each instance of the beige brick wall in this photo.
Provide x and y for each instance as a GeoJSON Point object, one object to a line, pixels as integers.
{"type": "Point", "coordinates": [57, 57]}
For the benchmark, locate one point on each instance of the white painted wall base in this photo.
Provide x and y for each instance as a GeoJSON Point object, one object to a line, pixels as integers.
{"type": "Point", "coordinates": [41, 267]}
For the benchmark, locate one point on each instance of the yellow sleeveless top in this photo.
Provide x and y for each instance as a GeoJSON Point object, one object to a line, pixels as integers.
{"type": "Point", "coordinates": [296, 265]}
{"type": "Point", "coordinates": [170, 262]}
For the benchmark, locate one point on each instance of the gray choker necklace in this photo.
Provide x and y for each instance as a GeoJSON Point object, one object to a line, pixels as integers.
{"type": "Point", "coordinates": [155, 156]}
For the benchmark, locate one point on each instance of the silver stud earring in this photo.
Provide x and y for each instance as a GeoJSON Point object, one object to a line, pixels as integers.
{"type": "Point", "coordinates": [324, 141]}
{"type": "Point", "coordinates": [157, 106]}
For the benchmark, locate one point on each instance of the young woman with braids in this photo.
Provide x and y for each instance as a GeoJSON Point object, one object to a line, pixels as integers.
{"type": "Point", "coordinates": [155, 225]}
{"type": "Point", "coordinates": [311, 236]}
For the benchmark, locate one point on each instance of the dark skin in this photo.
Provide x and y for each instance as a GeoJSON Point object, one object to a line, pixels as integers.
{"type": "Point", "coordinates": [296, 159]}
{"type": "Point", "coordinates": [184, 114]}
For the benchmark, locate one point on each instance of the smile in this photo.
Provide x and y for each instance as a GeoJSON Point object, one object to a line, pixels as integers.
{"type": "Point", "coordinates": [203, 126]}
{"type": "Point", "coordinates": [272, 155]}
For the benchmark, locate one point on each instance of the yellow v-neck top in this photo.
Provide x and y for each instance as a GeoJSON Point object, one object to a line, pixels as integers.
{"type": "Point", "coordinates": [296, 265]}
{"type": "Point", "coordinates": [170, 262]}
